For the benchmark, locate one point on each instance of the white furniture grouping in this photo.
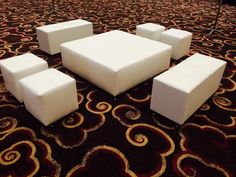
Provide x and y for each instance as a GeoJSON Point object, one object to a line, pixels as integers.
{"type": "Point", "coordinates": [49, 95]}
{"type": "Point", "coordinates": [51, 36]}
{"type": "Point", "coordinates": [15, 68]}
{"type": "Point", "coordinates": [116, 61]}
{"type": "Point", "coordinates": [150, 31]}
{"type": "Point", "coordinates": [180, 91]}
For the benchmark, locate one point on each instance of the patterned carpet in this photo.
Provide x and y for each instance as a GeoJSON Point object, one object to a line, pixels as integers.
{"type": "Point", "coordinates": [120, 137]}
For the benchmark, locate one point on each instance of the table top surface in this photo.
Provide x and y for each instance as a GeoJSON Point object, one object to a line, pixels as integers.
{"type": "Point", "coordinates": [116, 49]}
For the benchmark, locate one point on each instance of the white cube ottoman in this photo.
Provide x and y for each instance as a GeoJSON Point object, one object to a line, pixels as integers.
{"type": "Point", "coordinates": [180, 91]}
{"type": "Point", "coordinates": [49, 95]}
{"type": "Point", "coordinates": [150, 31]}
{"type": "Point", "coordinates": [116, 61]}
{"type": "Point", "coordinates": [15, 68]}
{"type": "Point", "coordinates": [51, 36]}
{"type": "Point", "coordinates": [180, 40]}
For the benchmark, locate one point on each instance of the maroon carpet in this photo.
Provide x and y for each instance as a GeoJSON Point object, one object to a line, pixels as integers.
{"type": "Point", "coordinates": [120, 137]}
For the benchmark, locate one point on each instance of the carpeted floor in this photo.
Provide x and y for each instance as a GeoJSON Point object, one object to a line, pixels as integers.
{"type": "Point", "coordinates": [120, 137]}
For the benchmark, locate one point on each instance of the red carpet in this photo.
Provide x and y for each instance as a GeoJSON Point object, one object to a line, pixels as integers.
{"type": "Point", "coordinates": [120, 137]}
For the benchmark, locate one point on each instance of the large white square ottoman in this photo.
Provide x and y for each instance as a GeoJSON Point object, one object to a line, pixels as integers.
{"type": "Point", "coordinates": [150, 31]}
{"type": "Point", "coordinates": [51, 36]}
{"type": "Point", "coordinates": [15, 68]}
{"type": "Point", "coordinates": [180, 91]}
{"type": "Point", "coordinates": [180, 40]}
{"type": "Point", "coordinates": [116, 61]}
{"type": "Point", "coordinates": [49, 95]}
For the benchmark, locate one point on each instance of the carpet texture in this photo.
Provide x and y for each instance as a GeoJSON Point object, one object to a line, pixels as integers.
{"type": "Point", "coordinates": [121, 136]}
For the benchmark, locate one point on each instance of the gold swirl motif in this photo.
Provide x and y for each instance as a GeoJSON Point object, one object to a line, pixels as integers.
{"type": "Point", "coordinates": [84, 130]}
{"type": "Point", "coordinates": [102, 148]}
{"type": "Point", "coordinates": [72, 122]}
{"type": "Point", "coordinates": [56, 65]}
{"type": "Point", "coordinates": [132, 114]}
{"type": "Point", "coordinates": [7, 124]}
{"type": "Point", "coordinates": [79, 82]}
{"type": "Point", "coordinates": [9, 157]}
{"type": "Point", "coordinates": [141, 140]}
{"type": "Point", "coordinates": [16, 155]}
{"type": "Point", "coordinates": [217, 41]}
{"type": "Point", "coordinates": [205, 107]}
{"type": "Point", "coordinates": [230, 125]}
{"type": "Point", "coordinates": [28, 45]}
{"type": "Point", "coordinates": [207, 44]}
{"type": "Point", "coordinates": [33, 47]}
{"type": "Point", "coordinates": [138, 100]}
{"type": "Point", "coordinates": [49, 157]}
{"type": "Point", "coordinates": [2, 52]}
{"type": "Point", "coordinates": [8, 105]}
{"type": "Point", "coordinates": [28, 30]}
{"type": "Point", "coordinates": [194, 172]}
{"type": "Point", "coordinates": [80, 98]}
{"type": "Point", "coordinates": [25, 39]}
{"type": "Point", "coordinates": [233, 83]}
{"type": "Point", "coordinates": [223, 103]}
{"type": "Point", "coordinates": [13, 156]}
{"type": "Point", "coordinates": [25, 25]}
{"type": "Point", "coordinates": [230, 53]}
{"type": "Point", "coordinates": [102, 107]}
{"type": "Point", "coordinates": [207, 127]}
{"type": "Point", "coordinates": [220, 91]}
{"type": "Point", "coordinates": [8, 46]}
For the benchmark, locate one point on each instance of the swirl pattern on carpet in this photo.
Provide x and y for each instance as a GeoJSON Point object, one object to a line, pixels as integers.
{"type": "Point", "coordinates": [120, 136]}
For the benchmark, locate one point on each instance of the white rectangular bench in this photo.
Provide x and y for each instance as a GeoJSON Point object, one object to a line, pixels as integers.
{"type": "Point", "coordinates": [51, 36]}
{"type": "Point", "coordinates": [180, 91]}
{"type": "Point", "coordinates": [116, 61]}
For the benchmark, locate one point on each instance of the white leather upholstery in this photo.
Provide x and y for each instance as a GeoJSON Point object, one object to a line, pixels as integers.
{"type": "Point", "coordinates": [51, 36]}
{"type": "Point", "coordinates": [116, 61]}
{"type": "Point", "coordinates": [49, 95]}
{"type": "Point", "coordinates": [15, 68]}
{"type": "Point", "coordinates": [180, 91]}
{"type": "Point", "coordinates": [180, 40]}
{"type": "Point", "coordinates": [150, 31]}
